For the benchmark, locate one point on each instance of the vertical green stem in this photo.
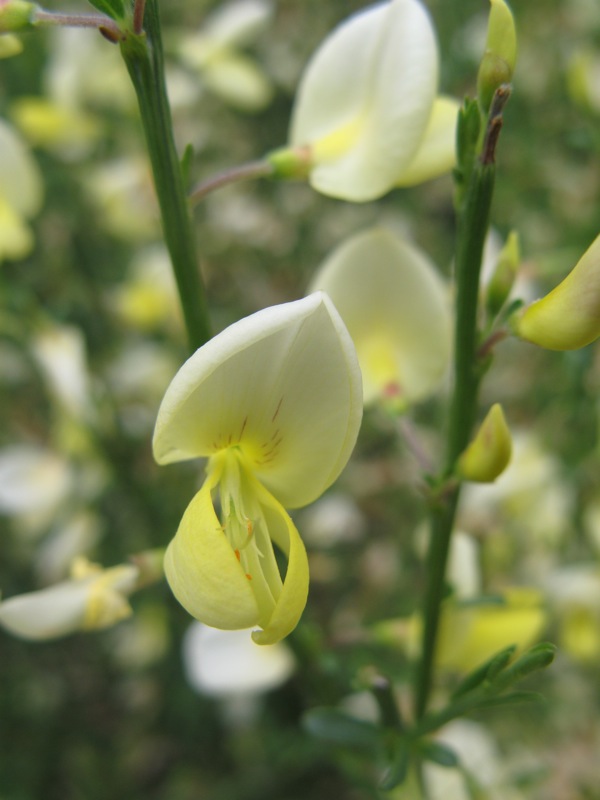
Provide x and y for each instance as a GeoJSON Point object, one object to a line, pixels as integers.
{"type": "Point", "coordinates": [144, 59]}
{"type": "Point", "coordinates": [473, 224]}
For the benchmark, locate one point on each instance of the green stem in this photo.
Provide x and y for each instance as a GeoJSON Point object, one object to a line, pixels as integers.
{"type": "Point", "coordinates": [472, 229]}
{"type": "Point", "coordinates": [143, 57]}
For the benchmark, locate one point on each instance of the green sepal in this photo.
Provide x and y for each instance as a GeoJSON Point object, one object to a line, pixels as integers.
{"type": "Point", "coordinates": [115, 9]}
{"type": "Point", "coordinates": [290, 163]}
{"type": "Point", "coordinates": [336, 727]}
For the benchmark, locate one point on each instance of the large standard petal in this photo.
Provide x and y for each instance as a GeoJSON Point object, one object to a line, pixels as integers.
{"type": "Point", "coordinates": [284, 385]}
{"type": "Point", "coordinates": [203, 571]}
{"type": "Point", "coordinates": [365, 99]}
{"type": "Point", "coordinates": [396, 308]}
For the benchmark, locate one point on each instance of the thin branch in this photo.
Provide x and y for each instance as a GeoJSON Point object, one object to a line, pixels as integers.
{"type": "Point", "coordinates": [99, 21]}
{"type": "Point", "coordinates": [245, 172]}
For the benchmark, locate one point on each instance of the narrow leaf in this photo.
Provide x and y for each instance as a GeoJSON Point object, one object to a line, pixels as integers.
{"type": "Point", "coordinates": [399, 765]}
{"type": "Point", "coordinates": [336, 727]}
{"type": "Point", "coordinates": [186, 162]}
{"type": "Point", "coordinates": [439, 753]}
{"type": "Point", "coordinates": [114, 9]}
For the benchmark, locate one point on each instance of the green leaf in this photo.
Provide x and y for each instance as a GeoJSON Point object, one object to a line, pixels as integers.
{"type": "Point", "coordinates": [337, 727]}
{"type": "Point", "coordinates": [115, 9]}
{"type": "Point", "coordinates": [187, 159]}
{"type": "Point", "coordinates": [439, 753]}
{"type": "Point", "coordinates": [399, 765]}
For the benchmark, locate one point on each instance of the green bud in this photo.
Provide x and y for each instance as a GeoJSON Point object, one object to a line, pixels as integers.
{"type": "Point", "coordinates": [500, 57]}
{"type": "Point", "coordinates": [538, 657]}
{"type": "Point", "coordinates": [486, 672]}
{"type": "Point", "coordinates": [290, 162]}
{"type": "Point", "coordinates": [16, 15]}
{"type": "Point", "coordinates": [504, 275]}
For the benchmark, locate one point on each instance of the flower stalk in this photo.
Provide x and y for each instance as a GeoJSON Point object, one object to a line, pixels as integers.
{"type": "Point", "coordinates": [143, 57]}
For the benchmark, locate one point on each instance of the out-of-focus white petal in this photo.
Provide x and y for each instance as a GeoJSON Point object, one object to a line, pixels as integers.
{"type": "Point", "coordinates": [92, 599]}
{"type": "Point", "coordinates": [238, 22]}
{"type": "Point", "coordinates": [239, 81]}
{"type": "Point", "coordinates": [222, 663]}
{"type": "Point", "coordinates": [60, 352]}
{"type": "Point", "coordinates": [47, 614]}
{"type": "Point", "coordinates": [32, 479]}
{"type": "Point", "coordinates": [395, 306]}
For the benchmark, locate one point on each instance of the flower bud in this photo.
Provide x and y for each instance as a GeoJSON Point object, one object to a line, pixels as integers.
{"type": "Point", "coordinates": [489, 453]}
{"type": "Point", "coordinates": [290, 162]}
{"type": "Point", "coordinates": [569, 316]}
{"type": "Point", "coordinates": [499, 59]}
{"type": "Point", "coordinates": [504, 274]}
{"type": "Point", "coordinates": [15, 15]}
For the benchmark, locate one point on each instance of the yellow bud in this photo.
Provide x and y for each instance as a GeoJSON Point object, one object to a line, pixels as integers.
{"type": "Point", "coordinates": [569, 316]}
{"type": "Point", "coordinates": [489, 453]}
{"type": "Point", "coordinates": [15, 15]}
{"type": "Point", "coordinates": [500, 57]}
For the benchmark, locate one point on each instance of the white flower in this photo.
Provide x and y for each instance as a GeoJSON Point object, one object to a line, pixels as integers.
{"type": "Point", "coordinates": [367, 109]}
{"type": "Point", "coordinates": [91, 599]}
{"type": "Point", "coordinates": [275, 403]}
